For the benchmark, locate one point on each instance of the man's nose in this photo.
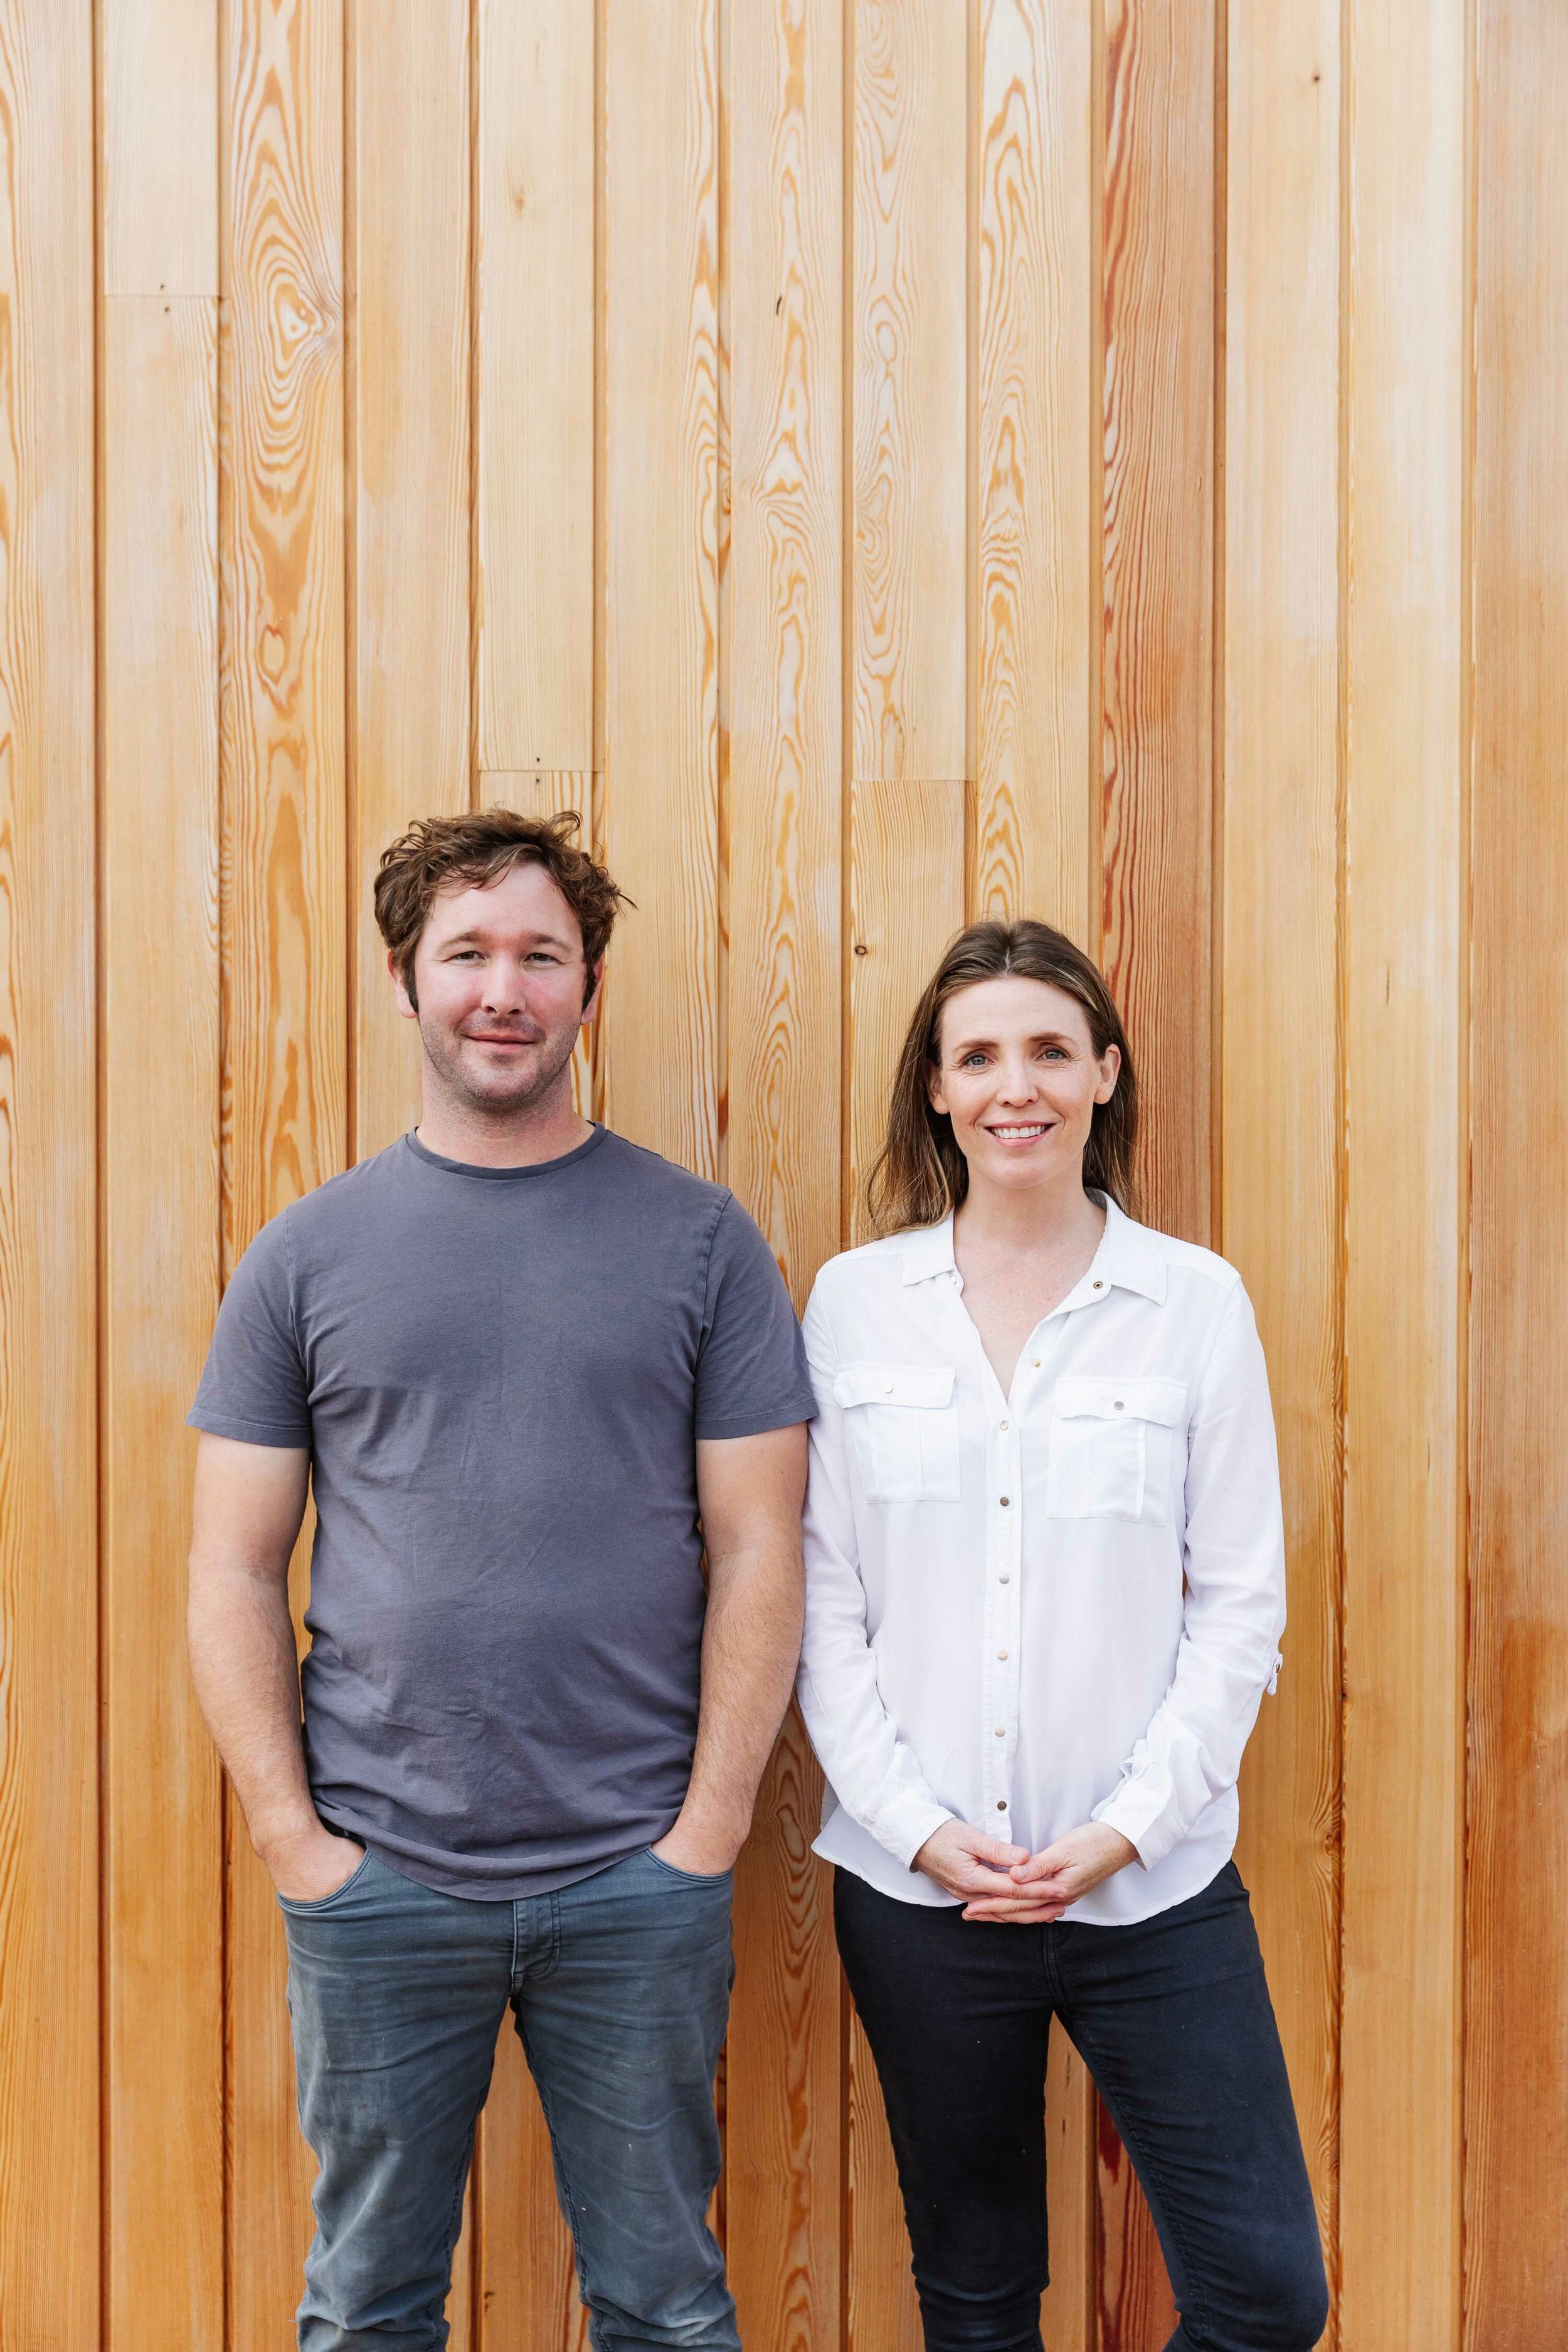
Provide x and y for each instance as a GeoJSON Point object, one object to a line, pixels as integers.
{"type": "Point", "coordinates": [506, 988]}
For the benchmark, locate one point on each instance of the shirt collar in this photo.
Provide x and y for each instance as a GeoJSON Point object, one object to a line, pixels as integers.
{"type": "Point", "coordinates": [1129, 1256]}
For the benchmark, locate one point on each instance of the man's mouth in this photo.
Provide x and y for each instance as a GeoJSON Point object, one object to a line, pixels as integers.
{"type": "Point", "coordinates": [499, 1037]}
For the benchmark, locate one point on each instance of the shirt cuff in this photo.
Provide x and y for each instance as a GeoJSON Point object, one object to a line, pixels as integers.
{"type": "Point", "coordinates": [1143, 1818]}
{"type": "Point", "coordinates": [904, 1826]}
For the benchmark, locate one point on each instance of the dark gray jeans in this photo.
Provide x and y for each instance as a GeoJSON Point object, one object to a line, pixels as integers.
{"type": "Point", "coordinates": [620, 1990]}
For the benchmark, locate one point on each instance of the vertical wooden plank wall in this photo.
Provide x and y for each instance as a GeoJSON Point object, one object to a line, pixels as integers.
{"type": "Point", "coordinates": [162, 1879]}
{"type": "Point", "coordinates": [1282, 1191]}
{"type": "Point", "coordinates": [883, 462]}
{"type": "Point", "coordinates": [50, 2117]}
{"type": "Point", "coordinates": [1516, 2040]}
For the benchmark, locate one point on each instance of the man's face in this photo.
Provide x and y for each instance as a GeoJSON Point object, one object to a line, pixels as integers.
{"type": "Point", "coordinates": [501, 980]}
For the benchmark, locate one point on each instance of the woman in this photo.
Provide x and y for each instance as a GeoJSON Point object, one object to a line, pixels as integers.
{"type": "Point", "coordinates": [1045, 1580]}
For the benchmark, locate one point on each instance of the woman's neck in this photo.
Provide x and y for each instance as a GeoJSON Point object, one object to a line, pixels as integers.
{"type": "Point", "coordinates": [1037, 1221]}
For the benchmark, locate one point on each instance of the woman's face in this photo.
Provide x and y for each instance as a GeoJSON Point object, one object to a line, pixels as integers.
{"type": "Point", "coordinates": [1018, 1076]}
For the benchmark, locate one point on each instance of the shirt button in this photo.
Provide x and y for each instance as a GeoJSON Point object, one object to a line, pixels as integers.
{"type": "Point", "coordinates": [1001, 1804]}
{"type": "Point", "coordinates": [1003, 1502]}
{"type": "Point", "coordinates": [1000, 1732]}
{"type": "Point", "coordinates": [1003, 1578]}
{"type": "Point", "coordinates": [1121, 1405]}
{"type": "Point", "coordinates": [1001, 1653]}
{"type": "Point", "coordinates": [886, 1388]}
{"type": "Point", "coordinates": [1003, 1425]}
{"type": "Point", "coordinates": [1036, 1363]}
{"type": "Point", "coordinates": [1099, 1285]}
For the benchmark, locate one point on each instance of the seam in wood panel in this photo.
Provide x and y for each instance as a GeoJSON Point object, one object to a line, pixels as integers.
{"type": "Point", "coordinates": [224, 503]}
{"type": "Point", "coordinates": [476, 578]}
{"type": "Point", "coordinates": [845, 784]}
{"type": "Point", "coordinates": [723, 587]}
{"type": "Point", "coordinates": [101, 1157]}
{"type": "Point", "coordinates": [350, 229]}
{"type": "Point", "coordinates": [972, 131]}
{"type": "Point", "coordinates": [598, 762]}
{"type": "Point", "coordinates": [1466, 928]}
{"type": "Point", "coordinates": [1095, 458]}
{"type": "Point", "coordinates": [1341, 1104]}
{"type": "Point", "coordinates": [1217, 730]}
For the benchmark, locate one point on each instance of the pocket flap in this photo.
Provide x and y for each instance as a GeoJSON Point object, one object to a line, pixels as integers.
{"type": "Point", "coordinates": [908, 1384]}
{"type": "Point", "coordinates": [1144, 1399]}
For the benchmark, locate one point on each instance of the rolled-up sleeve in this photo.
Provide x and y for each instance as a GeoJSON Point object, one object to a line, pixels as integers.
{"type": "Point", "coordinates": [873, 1772]}
{"type": "Point", "coordinates": [1234, 1613]}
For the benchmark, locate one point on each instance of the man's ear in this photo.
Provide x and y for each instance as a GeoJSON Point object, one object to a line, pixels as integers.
{"type": "Point", "coordinates": [407, 1003]}
{"type": "Point", "coordinates": [591, 1001]}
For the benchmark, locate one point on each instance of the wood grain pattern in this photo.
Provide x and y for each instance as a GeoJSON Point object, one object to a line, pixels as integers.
{"type": "Point", "coordinates": [284, 891]}
{"type": "Point", "coordinates": [1157, 722]}
{"type": "Point", "coordinates": [534, 337]}
{"type": "Point", "coordinates": [1404, 1274]}
{"type": "Point", "coordinates": [1516, 2044]}
{"type": "Point", "coordinates": [1069, 2319]}
{"type": "Point", "coordinates": [1517, 1986]}
{"type": "Point", "coordinates": [906, 885]}
{"type": "Point", "coordinates": [884, 2312]}
{"type": "Point", "coordinates": [527, 2287]}
{"type": "Point", "coordinates": [910, 387]}
{"type": "Point", "coordinates": [163, 1884]}
{"type": "Point", "coordinates": [159, 146]}
{"type": "Point", "coordinates": [49, 1953]}
{"type": "Point", "coordinates": [783, 721]}
{"type": "Point", "coordinates": [1157, 725]}
{"type": "Point", "coordinates": [1281, 1179]}
{"type": "Point", "coordinates": [408, 349]}
{"type": "Point", "coordinates": [1036, 312]}
{"type": "Point", "coordinates": [662, 1016]}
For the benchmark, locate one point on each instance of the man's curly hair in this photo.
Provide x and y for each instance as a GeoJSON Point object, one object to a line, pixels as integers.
{"type": "Point", "coordinates": [472, 851]}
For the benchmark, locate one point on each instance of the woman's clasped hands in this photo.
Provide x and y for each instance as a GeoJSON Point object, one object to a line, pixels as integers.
{"type": "Point", "coordinates": [998, 1881]}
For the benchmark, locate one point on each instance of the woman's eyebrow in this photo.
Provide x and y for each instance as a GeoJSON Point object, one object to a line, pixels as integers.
{"type": "Point", "coordinates": [1039, 1037]}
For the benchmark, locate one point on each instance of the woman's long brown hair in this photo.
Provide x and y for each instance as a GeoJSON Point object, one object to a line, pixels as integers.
{"type": "Point", "coordinates": [920, 1174]}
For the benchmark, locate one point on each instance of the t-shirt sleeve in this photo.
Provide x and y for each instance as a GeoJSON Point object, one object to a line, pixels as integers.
{"type": "Point", "coordinates": [752, 1373]}
{"type": "Point", "coordinates": [253, 1386]}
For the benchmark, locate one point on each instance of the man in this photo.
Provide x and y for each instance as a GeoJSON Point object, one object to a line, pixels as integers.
{"type": "Point", "coordinates": [517, 1359]}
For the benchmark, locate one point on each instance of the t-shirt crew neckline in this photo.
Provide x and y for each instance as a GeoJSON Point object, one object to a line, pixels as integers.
{"type": "Point", "coordinates": [506, 1175]}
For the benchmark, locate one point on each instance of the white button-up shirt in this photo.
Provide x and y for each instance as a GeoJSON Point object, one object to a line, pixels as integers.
{"type": "Point", "coordinates": [1032, 1611]}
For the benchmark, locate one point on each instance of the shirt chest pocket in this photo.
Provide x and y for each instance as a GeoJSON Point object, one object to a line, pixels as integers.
{"type": "Point", "coordinates": [903, 1424]}
{"type": "Point", "coordinates": [1114, 1447]}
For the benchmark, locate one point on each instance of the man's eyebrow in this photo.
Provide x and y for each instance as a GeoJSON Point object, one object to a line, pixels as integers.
{"type": "Point", "coordinates": [480, 938]}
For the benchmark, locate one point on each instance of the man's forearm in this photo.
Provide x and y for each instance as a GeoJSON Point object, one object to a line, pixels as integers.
{"type": "Point", "coordinates": [246, 1670]}
{"type": "Point", "coordinates": [750, 1647]}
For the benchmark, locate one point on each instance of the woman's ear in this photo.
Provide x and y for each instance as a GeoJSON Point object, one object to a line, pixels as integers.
{"type": "Point", "coordinates": [934, 1093]}
{"type": "Point", "coordinates": [1109, 1071]}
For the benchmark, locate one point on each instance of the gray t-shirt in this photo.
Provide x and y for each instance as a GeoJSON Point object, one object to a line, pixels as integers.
{"type": "Point", "coordinates": [500, 1374]}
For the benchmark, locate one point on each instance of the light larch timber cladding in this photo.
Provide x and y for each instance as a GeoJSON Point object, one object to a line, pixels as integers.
{"type": "Point", "coordinates": [49, 1947]}
{"type": "Point", "coordinates": [783, 256]}
{"type": "Point", "coordinates": [160, 141]}
{"type": "Point", "coordinates": [906, 899]}
{"type": "Point", "coordinates": [1068, 2316]}
{"type": "Point", "coordinates": [1157, 737]}
{"type": "Point", "coordinates": [661, 583]}
{"type": "Point", "coordinates": [883, 2314]}
{"type": "Point", "coordinates": [905, 848]}
{"type": "Point", "coordinates": [162, 1882]}
{"type": "Point", "coordinates": [1157, 722]}
{"type": "Point", "coordinates": [910, 387]}
{"type": "Point", "coordinates": [1515, 2042]}
{"type": "Point", "coordinates": [284, 871]}
{"type": "Point", "coordinates": [408, 349]}
{"type": "Point", "coordinates": [526, 2284]}
{"type": "Point", "coordinates": [1036, 315]}
{"type": "Point", "coordinates": [1282, 1181]}
{"type": "Point", "coordinates": [1403, 1272]}
{"type": "Point", "coordinates": [535, 336]}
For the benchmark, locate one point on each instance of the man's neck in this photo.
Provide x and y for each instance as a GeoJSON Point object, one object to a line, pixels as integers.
{"type": "Point", "coordinates": [516, 1139]}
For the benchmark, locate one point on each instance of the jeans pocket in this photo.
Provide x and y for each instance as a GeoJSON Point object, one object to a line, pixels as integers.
{"type": "Point", "coordinates": [690, 1877]}
{"type": "Point", "coordinates": [307, 1910]}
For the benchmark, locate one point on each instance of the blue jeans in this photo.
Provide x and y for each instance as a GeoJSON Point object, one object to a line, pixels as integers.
{"type": "Point", "coordinates": [620, 1990]}
{"type": "Point", "coordinates": [1173, 2018]}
